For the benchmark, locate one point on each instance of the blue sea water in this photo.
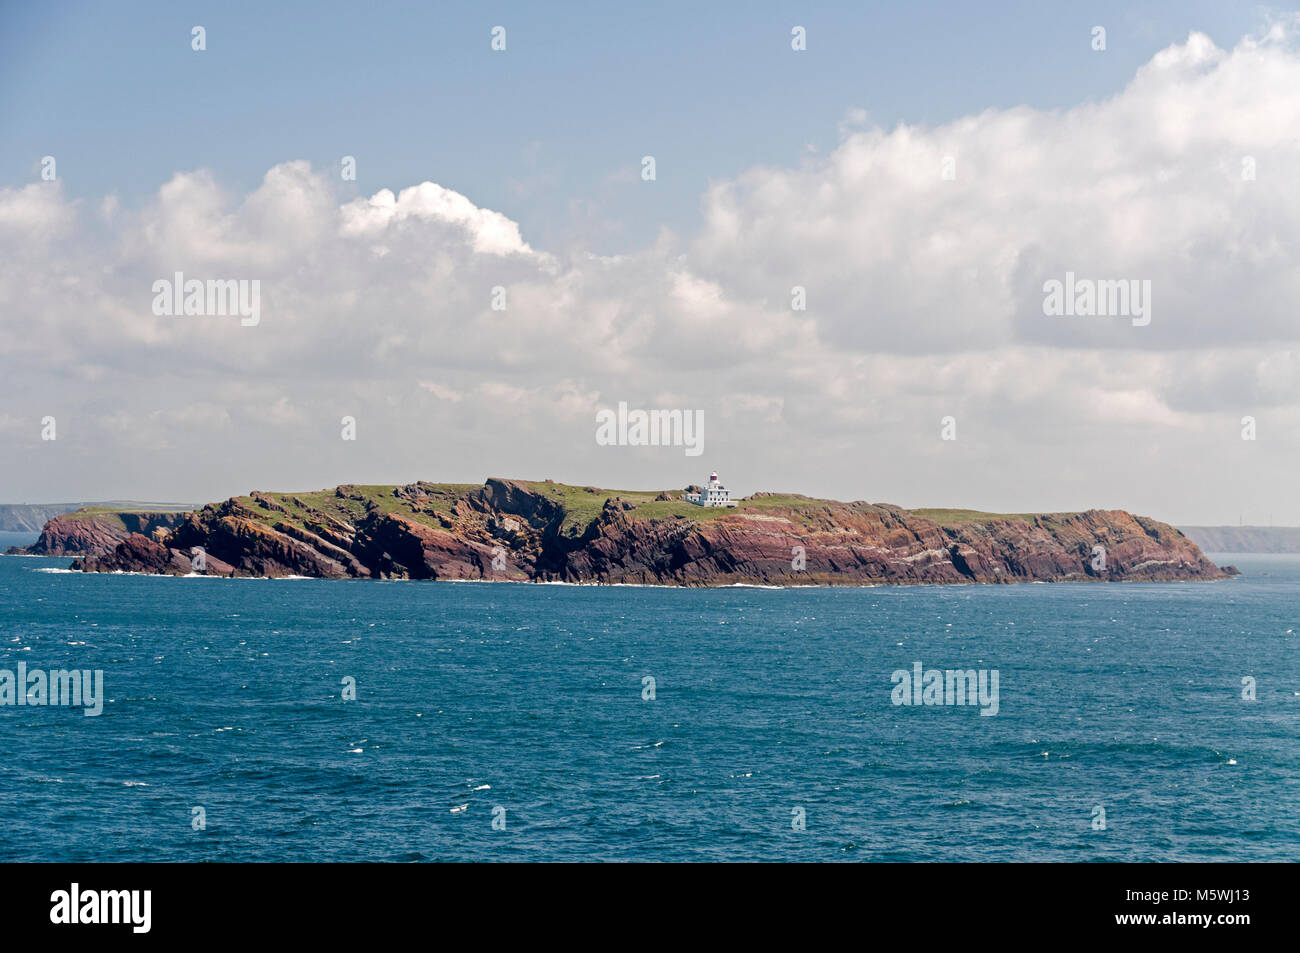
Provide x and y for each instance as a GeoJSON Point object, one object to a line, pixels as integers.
{"type": "Point", "coordinates": [226, 695]}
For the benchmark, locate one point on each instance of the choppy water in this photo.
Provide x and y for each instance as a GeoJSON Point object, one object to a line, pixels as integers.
{"type": "Point", "coordinates": [225, 694]}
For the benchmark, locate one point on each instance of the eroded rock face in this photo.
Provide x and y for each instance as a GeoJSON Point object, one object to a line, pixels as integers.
{"type": "Point", "coordinates": [512, 530]}
{"type": "Point", "coordinates": [138, 553]}
{"type": "Point", "coordinates": [86, 533]}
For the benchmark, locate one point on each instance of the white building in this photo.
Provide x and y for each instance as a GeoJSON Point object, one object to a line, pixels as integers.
{"type": "Point", "coordinates": [713, 494]}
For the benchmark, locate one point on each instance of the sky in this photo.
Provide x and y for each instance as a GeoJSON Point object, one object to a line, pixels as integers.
{"type": "Point", "coordinates": [500, 269]}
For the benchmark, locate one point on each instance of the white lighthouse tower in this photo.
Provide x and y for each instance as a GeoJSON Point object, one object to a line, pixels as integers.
{"type": "Point", "coordinates": [713, 494]}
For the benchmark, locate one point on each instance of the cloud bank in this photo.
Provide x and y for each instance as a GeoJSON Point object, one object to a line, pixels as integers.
{"type": "Point", "coordinates": [921, 253]}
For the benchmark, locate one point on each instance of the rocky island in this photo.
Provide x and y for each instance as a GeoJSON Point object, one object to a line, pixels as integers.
{"type": "Point", "coordinates": [526, 531]}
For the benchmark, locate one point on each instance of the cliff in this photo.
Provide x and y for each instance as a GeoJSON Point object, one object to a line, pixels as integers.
{"type": "Point", "coordinates": [526, 531]}
{"type": "Point", "coordinates": [94, 531]}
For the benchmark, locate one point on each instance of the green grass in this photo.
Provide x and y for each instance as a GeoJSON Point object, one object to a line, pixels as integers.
{"type": "Point", "coordinates": [953, 517]}
{"type": "Point", "coordinates": [581, 505]}
{"type": "Point", "coordinates": [949, 517]}
{"type": "Point", "coordinates": [101, 514]}
{"type": "Point", "coordinates": [111, 515]}
{"type": "Point", "coordinates": [349, 510]}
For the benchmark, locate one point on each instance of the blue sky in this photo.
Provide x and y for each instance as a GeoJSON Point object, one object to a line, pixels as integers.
{"type": "Point", "coordinates": [776, 170]}
{"type": "Point", "coordinates": [551, 130]}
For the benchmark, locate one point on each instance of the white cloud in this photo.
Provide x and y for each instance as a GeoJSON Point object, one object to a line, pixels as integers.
{"type": "Point", "coordinates": [34, 213]}
{"type": "Point", "coordinates": [489, 232]}
{"type": "Point", "coordinates": [923, 299]}
{"type": "Point", "coordinates": [1145, 185]}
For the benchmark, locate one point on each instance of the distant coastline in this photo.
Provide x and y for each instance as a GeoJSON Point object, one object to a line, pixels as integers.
{"type": "Point", "coordinates": [32, 517]}
{"type": "Point", "coordinates": [1245, 539]}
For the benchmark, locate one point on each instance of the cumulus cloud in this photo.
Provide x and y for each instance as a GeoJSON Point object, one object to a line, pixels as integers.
{"type": "Point", "coordinates": [924, 298]}
{"type": "Point", "coordinates": [488, 231]}
{"type": "Point", "coordinates": [1146, 185]}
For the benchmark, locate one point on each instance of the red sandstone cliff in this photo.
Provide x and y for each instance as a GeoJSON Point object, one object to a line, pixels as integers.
{"type": "Point", "coordinates": [515, 530]}
{"type": "Point", "coordinates": [92, 532]}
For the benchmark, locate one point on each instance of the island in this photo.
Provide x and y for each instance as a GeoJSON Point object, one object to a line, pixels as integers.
{"type": "Point", "coordinates": [542, 531]}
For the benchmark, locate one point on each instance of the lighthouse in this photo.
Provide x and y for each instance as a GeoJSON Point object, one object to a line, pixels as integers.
{"type": "Point", "coordinates": [713, 494]}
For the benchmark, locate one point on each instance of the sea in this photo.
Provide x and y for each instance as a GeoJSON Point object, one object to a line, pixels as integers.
{"type": "Point", "coordinates": [322, 720]}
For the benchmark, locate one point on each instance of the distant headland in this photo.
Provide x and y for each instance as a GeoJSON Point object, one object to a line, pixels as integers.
{"type": "Point", "coordinates": [30, 517]}
{"type": "Point", "coordinates": [541, 531]}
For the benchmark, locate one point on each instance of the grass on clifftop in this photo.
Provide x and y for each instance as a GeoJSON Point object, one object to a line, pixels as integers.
{"type": "Point", "coordinates": [101, 514]}
{"type": "Point", "coordinates": [112, 515]}
{"type": "Point", "coordinates": [300, 509]}
{"type": "Point", "coordinates": [582, 505]}
{"type": "Point", "coordinates": [951, 517]}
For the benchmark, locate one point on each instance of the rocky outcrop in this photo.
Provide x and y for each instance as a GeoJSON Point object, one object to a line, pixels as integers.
{"type": "Point", "coordinates": [96, 532]}
{"type": "Point", "coordinates": [523, 531]}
